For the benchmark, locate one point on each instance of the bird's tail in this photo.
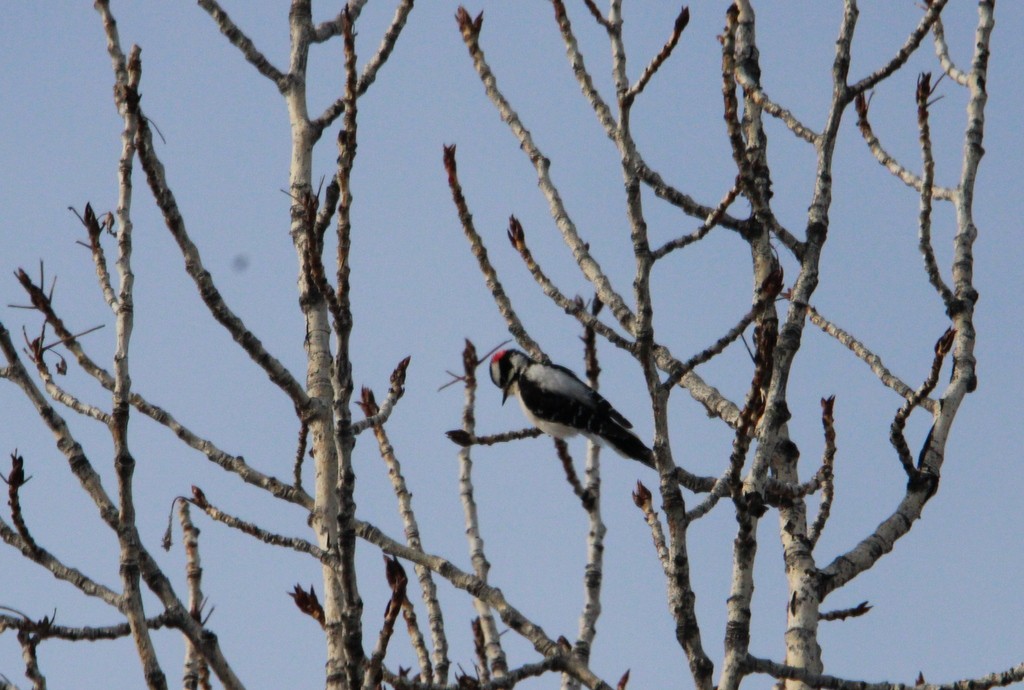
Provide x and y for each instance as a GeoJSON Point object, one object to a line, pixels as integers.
{"type": "Point", "coordinates": [626, 444]}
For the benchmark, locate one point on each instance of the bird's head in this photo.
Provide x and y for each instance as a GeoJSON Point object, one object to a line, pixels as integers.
{"type": "Point", "coordinates": [506, 366]}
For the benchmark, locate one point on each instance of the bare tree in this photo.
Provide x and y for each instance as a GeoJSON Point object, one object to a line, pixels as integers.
{"type": "Point", "coordinates": [760, 474]}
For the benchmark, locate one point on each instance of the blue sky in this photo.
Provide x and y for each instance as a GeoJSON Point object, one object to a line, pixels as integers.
{"type": "Point", "coordinates": [947, 601]}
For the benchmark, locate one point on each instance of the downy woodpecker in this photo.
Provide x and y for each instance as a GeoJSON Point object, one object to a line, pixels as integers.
{"type": "Point", "coordinates": [560, 405]}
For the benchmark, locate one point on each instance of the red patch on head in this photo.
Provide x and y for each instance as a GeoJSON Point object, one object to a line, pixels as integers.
{"type": "Point", "coordinates": [498, 355]}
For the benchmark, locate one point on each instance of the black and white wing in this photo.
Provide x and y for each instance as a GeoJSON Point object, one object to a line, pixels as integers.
{"type": "Point", "coordinates": [561, 405]}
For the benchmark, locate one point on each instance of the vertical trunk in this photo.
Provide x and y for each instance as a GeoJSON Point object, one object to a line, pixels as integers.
{"type": "Point", "coordinates": [318, 378]}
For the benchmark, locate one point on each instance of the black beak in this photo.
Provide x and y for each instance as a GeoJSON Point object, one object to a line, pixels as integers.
{"type": "Point", "coordinates": [504, 395]}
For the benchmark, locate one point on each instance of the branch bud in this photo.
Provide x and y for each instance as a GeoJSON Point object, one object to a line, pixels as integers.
{"type": "Point", "coordinates": [459, 438]}
{"type": "Point", "coordinates": [308, 604]}
{"type": "Point", "coordinates": [945, 343]}
{"type": "Point", "coordinates": [469, 27]}
{"type": "Point", "coordinates": [469, 358]}
{"type": "Point", "coordinates": [681, 21]}
{"type": "Point", "coordinates": [368, 402]}
{"type": "Point", "coordinates": [827, 405]}
{"type": "Point", "coordinates": [199, 498]}
{"type": "Point", "coordinates": [516, 235]}
{"type": "Point", "coordinates": [395, 574]}
{"type": "Point", "coordinates": [642, 497]}
{"type": "Point", "coordinates": [398, 375]}
{"type": "Point", "coordinates": [450, 166]}
{"type": "Point", "coordinates": [861, 103]}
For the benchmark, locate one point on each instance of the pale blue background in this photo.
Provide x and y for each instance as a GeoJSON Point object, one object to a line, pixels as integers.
{"type": "Point", "coordinates": [947, 602]}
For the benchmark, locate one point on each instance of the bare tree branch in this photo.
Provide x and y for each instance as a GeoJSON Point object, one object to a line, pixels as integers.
{"type": "Point", "coordinates": [586, 262]}
{"type": "Point", "coordinates": [867, 356]}
{"type": "Point", "coordinates": [890, 163]}
{"type": "Point", "coordinates": [238, 39]}
{"type": "Point", "coordinates": [934, 8]}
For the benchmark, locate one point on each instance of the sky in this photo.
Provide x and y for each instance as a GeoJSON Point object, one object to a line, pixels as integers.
{"type": "Point", "coordinates": [947, 602]}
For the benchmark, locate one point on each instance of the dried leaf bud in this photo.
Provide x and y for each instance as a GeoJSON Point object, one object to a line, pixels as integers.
{"type": "Point", "coordinates": [199, 498]}
{"type": "Point", "coordinates": [624, 681]}
{"type": "Point", "coordinates": [516, 234]}
{"type": "Point", "coordinates": [308, 603]}
{"type": "Point", "coordinates": [469, 358]}
{"type": "Point", "coordinates": [945, 343]}
{"type": "Point", "coordinates": [642, 497]}
{"type": "Point", "coordinates": [368, 402]}
{"type": "Point", "coordinates": [681, 21]}
{"type": "Point", "coordinates": [469, 27]}
{"type": "Point", "coordinates": [92, 225]}
{"type": "Point", "coordinates": [398, 375]}
{"type": "Point", "coordinates": [395, 574]}
{"type": "Point", "coordinates": [17, 476]}
{"type": "Point", "coordinates": [924, 88]}
{"type": "Point", "coordinates": [827, 405]}
{"type": "Point", "coordinates": [861, 104]}
{"type": "Point", "coordinates": [459, 437]}
{"type": "Point", "coordinates": [449, 162]}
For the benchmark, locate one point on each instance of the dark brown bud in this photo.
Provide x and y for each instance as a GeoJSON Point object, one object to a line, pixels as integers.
{"type": "Point", "coordinates": [827, 405]}
{"type": "Point", "coordinates": [469, 358]}
{"type": "Point", "coordinates": [516, 235]}
{"type": "Point", "coordinates": [368, 403]}
{"type": "Point", "coordinates": [681, 21]}
{"type": "Point", "coordinates": [398, 375]}
{"type": "Point", "coordinates": [449, 162]}
{"type": "Point", "coordinates": [395, 574]}
{"type": "Point", "coordinates": [945, 343]}
{"type": "Point", "coordinates": [308, 603]}
{"type": "Point", "coordinates": [459, 437]}
{"type": "Point", "coordinates": [642, 497]}
{"type": "Point", "coordinates": [924, 88]}
{"type": "Point", "coordinates": [861, 104]}
{"type": "Point", "coordinates": [16, 478]}
{"type": "Point", "coordinates": [469, 27]}
{"type": "Point", "coordinates": [199, 498]}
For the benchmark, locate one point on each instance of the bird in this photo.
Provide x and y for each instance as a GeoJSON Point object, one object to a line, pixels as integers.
{"type": "Point", "coordinates": [558, 403]}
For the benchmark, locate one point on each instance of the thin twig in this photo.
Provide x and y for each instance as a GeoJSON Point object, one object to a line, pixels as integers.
{"type": "Point", "coordinates": [572, 307]}
{"type": "Point", "coordinates": [868, 357]}
{"type": "Point", "coordinates": [504, 304]}
{"type": "Point", "coordinates": [942, 52]}
{"type": "Point", "coordinates": [241, 41]}
{"type": "Point", "coordinates": [655, 64]}
{"type": "Point", "coordinates": [497, 661]}
{"type": "Point", "coordinates": [903, 54]}
{"type": "Point", "coordinates": [924, 92]}
{"type": "Point", "coordinates": [707, 226]}
{"type": "Point", "coordinates": [826, 472]}
{"type": "Point", "coordinates": [438, 671]}
{"type": "Point", "coordinates": [891, 164]}
{"type": "Point", "coordinates": [470, 29]}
